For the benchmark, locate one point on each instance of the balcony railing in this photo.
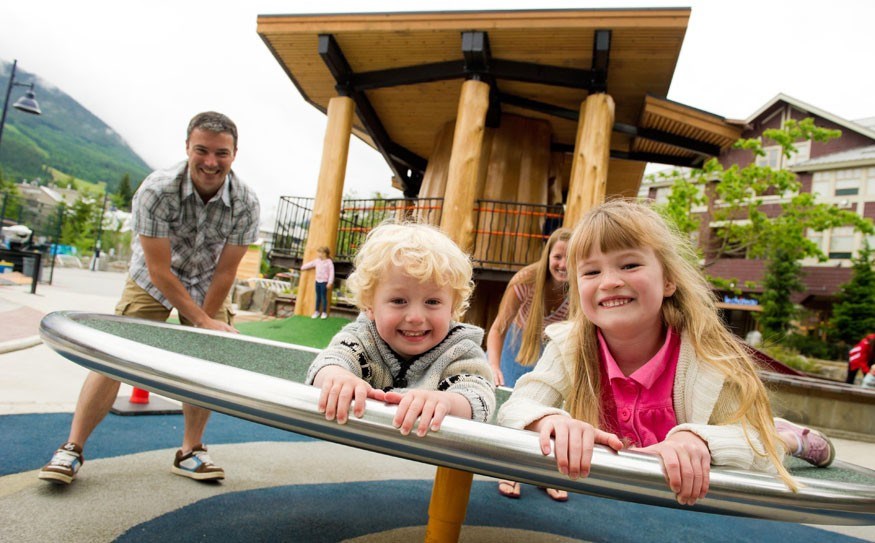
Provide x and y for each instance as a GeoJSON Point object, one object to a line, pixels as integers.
{"type": "Point", "coordinates": [507, 236]}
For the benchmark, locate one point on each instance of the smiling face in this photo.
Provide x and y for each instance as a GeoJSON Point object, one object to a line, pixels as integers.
{"type": "Point", "coordinates": [556, 262]}
{"type": "Point", "coordinates": [622, 291]}
{"type": "Point", "coordinates": [410, 316]}
{"type": "Point", "coordinates": [210, 155]}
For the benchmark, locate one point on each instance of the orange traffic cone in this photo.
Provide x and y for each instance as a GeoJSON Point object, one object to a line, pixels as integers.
{"type": "Point", "coordinates": [139, 404]}
{"type": "Point", "coordinates": [139, 396]}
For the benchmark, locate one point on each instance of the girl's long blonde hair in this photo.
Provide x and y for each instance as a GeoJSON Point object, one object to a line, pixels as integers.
{"type": "Point", "coordinates": [690, 311]}
{"type": "Point", "coordinates": [538, 276]}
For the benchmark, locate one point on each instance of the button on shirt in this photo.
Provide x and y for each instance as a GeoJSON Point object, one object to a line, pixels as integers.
{"type": "Point", "coordinates": [642, 402]}
{"type": "Point", "coordinates": [167, 206]}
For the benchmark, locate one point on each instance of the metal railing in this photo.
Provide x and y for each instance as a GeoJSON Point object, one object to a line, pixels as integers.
{"type": "Point", "coordinates": [508, 235]}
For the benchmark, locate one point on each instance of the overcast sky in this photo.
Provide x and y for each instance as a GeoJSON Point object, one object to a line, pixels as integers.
{"type": "Point", "coordinates": [145, 68]}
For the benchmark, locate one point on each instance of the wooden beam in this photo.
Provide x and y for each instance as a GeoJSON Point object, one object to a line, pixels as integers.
{"type": "Point", "coordinates": [589, 168]}
{"type": "Point", "coordinates": [343, 75]}
{"type": "Point", "coordinates": [329, 195]}
{"type": "Point", "coordinates": [601, 50]}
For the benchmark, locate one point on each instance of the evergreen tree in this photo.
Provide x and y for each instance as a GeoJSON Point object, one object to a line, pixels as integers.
{"type": "Point", "coordinates": [123, 196]}
{"type": "Point", "coordinates": [782, 279]}
{"type": "Point", "coordinates": [854, 312]}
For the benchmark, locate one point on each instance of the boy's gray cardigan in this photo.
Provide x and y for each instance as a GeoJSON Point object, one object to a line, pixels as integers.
{"type": "Point", "coordinates": [456, 364]}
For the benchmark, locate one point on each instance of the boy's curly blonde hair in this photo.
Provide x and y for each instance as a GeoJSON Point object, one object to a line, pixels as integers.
{"type": "Point", "coordinates": [422, 251]}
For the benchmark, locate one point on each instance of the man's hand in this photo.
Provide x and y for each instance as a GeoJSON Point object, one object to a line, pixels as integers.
{"type": "Point", "coordinates": [215, 324]}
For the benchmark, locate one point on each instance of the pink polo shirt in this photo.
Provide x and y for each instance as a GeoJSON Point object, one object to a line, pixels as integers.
{"type": "Point", "coordinates": [638, 408]}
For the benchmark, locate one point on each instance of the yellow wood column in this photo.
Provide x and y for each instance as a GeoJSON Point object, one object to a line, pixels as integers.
{"type": "Point", "coordinates": [457, 217]}
{"type": "Point", "coordinates": [329, 194]}
{"type": "Point", "coordinates": [449, 496]}
{"type": "Point", "coordinates": [592, 151]}
{"type": "Point", "coordinates": [449, 502]}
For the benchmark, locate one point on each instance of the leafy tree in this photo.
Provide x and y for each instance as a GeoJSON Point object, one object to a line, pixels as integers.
{"type": "Point", "coordinates": [9, 197]}
{"type": "Point", "coordinates": [734, 199]}
{"type": "Point", "coordinates": [854, 312]}
{"type": "Point", "coordinates": [79, 223]}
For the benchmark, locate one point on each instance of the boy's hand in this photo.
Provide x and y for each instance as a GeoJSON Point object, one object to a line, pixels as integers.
{"type": "Point", "coordinates": [429, 406]}
{"type": "Point", "coordinates": [340, 389]}
{"type": "Point", "coordinates": [687, 463]}
{"type": "Point", "coordinates": [574, 441]}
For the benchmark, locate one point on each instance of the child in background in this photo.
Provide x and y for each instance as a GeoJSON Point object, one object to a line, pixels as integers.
{"type": "Point", "coordinates": [645, 356]}
{"type": "Point", "coordinates": [411, 283]}
{"type": "Point", "coordinates": [536, 297]}
{"type": "Point", "coordinates": [324, 277]}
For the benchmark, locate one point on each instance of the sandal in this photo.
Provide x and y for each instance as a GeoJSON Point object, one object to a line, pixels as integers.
{"type": "Point", "coordinates": [509, 489]}
{"type": "Point", "coordinates": [556, 494]}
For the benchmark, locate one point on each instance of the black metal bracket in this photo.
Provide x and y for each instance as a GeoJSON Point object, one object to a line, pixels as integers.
{"type": "Point", "coordinates": [402, 161]}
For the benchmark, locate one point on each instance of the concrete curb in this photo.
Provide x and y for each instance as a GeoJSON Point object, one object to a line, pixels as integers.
{"type": "Point", "coordinates": [19, 344]}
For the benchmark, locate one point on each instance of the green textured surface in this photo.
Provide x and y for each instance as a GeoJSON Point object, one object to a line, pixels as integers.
{"type": "Point", "coordinates": [287, 363]}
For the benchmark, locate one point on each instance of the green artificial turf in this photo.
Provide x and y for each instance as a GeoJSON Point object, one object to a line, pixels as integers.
{"type": "Point", "coordinates": [299, 330]}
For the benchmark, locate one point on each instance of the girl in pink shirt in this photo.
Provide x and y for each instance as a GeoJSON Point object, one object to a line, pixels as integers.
{"type": "Point", "coordinates": [324, 277]}
{"type": "Point", "coordinates": [645, 362]}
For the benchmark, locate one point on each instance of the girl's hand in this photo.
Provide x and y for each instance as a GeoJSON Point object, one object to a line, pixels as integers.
{"type": "Point", "coordinates": [499, 377]}
{"type": "Point", "coordinates": [340, 389]}
{"type": "Point", "coordinates": [429, 406]}
{"type": "Point", "coordinates": [574, 441]}
{"type": "Point", "coordinates": [687, 463]}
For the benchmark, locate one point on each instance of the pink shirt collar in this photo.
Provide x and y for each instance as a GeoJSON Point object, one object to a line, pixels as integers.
{"type": "Point", "coordinates": [647, 374]}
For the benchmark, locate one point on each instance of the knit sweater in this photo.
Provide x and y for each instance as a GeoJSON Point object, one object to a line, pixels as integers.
{"type": "Point", "coordinates": [456, 364]}
{"type": "Point", "coordinates": [701, 401]}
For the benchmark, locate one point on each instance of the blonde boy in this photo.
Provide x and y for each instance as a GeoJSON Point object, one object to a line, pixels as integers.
{"type": "Point", "coordinates": [411, 283]}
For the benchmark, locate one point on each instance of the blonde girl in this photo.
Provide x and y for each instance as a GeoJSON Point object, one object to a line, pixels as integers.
{"type": "Point", "coordinates": [645, 361]}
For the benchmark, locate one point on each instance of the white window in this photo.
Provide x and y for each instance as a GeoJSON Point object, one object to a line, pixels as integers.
{"type": "Point", "coordinates": [848, 182]}
{"type": "Point", "coordinates": [772, 158]}
{"type": "Point", "coordinates": [847, 187]}
{"type": "Point", "coordinates": [660, 195]}
{"type": "Point", "coordinates": [803, 153]}
{"type": "Point", "coordinates": [821, 184]}
{"type": "Point", "coordinates": [841, 242]}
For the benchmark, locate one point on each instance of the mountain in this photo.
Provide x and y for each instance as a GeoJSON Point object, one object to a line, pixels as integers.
{"type": "Point", "coordinates": [66, 137]}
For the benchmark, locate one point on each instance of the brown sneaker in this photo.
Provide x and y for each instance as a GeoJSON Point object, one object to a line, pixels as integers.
{"type": "Point", "coordinates": [64, 464]}
{"type": "Point", "coordinates": [197, 465]}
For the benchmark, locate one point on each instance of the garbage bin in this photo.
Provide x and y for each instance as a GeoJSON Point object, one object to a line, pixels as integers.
{"type": "Point", "coordinates": [28, 267]}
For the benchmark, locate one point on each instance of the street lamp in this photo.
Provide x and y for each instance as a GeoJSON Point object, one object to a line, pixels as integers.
{"type": "Point", "coordinates": [26, 103]}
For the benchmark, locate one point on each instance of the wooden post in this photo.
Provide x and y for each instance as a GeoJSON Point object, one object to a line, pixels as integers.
{"type": "Point", "coordinates": [457, 217]}
{"type": "Point", "coordinates": [449, 500]}
{"type": "Point", "coordinates": [449, 497]}
{"type": "Point", "coordinates": [589, 168]}
{"type": "Point", "coordinates": [329, 194]}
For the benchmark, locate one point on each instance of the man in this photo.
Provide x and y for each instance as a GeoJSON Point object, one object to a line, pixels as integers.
{"type": "Point", "coordinates": [192, 224]}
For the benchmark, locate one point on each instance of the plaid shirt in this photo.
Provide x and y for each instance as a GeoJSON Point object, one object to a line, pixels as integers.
{"type": "Point", "coordinates": [167, 206]}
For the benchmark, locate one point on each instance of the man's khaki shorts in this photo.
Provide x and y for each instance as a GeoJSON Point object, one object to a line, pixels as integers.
{"type": "Point", "coordinates": [136, 302]}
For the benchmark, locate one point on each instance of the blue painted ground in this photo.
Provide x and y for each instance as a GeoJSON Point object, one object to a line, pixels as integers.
{"type": "Point", "coordinates": [337, 511]}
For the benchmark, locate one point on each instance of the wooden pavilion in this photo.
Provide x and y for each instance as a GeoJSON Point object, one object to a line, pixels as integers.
{"type": "Point", "coordinates": [543, 106]}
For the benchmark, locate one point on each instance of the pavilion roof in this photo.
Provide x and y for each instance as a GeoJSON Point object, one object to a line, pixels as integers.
{"type": "Point", "coordinates": [404, 72]}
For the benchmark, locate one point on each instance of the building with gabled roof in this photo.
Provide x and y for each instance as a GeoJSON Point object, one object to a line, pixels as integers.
{"type": "Point", "coordinates": [841, 172]}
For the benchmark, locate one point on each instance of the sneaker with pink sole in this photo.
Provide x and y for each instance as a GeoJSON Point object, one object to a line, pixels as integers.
{"type": "Point", "coordinates": [813, 446]}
